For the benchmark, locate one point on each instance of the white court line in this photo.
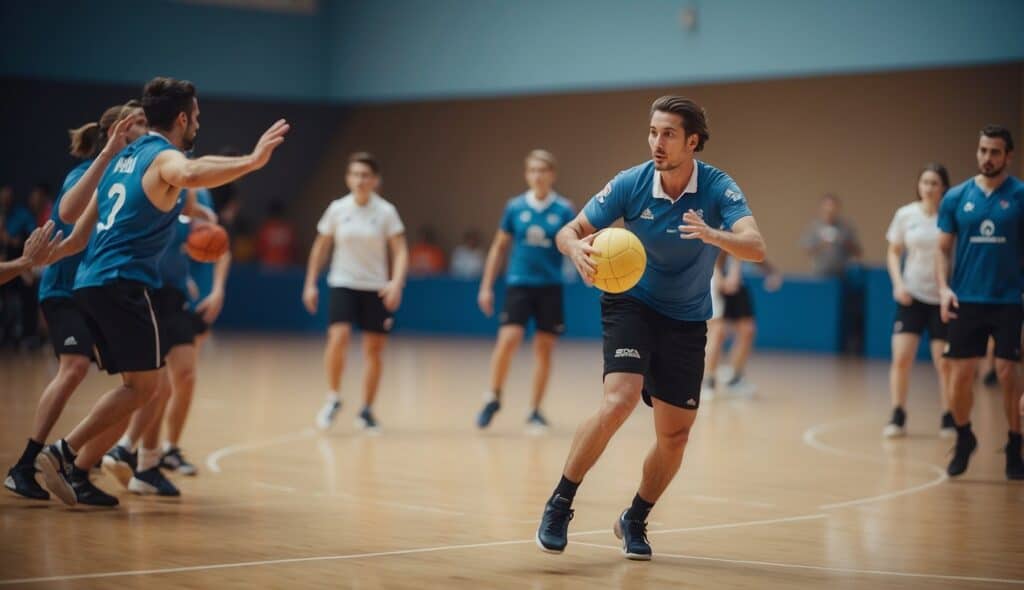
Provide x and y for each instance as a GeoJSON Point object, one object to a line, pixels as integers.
{"type": "Point", "coordinates": [821, 568]}
{"type": "Point", "coordinates": [213, 461]}
{"type": "Point", "coordinates": [217, 566]}
{"type": "Point", "coordinates": [810, 438]}
{"type": "Point", "coordinates": [270, 486]}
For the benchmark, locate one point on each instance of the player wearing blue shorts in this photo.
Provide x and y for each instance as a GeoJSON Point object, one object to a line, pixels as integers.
{"type": "Point", "coordinates": [684, 212]}
{"type": "Point", "coordinates": [534, 282]}
{"type": "Point", "coordinates": [984, 216]}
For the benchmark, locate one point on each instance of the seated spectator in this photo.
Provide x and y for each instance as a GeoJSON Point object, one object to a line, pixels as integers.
{"type": "Point", "coordinates": [426, 258]}
{"type": "Point", "coordinates": [275, 240]}
{"type": "Point", "coordinates": [40, 202]}
{"type": "Point", "coordinates": [830, 240]}
{"type": "Point", "coordinates": [468, 257]}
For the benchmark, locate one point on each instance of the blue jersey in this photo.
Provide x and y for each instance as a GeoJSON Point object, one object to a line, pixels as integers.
{"type": "Point", "coordinates": [174, 267]}
{"type": "Point", "coordinates": [986, 268]}
{"type": "Point", "coordinates": [535, 261]}
{"type": "Point", "coordinates": [677, 280]}
{"type": "Point", "coordinates": [202, 272]}
{"type": "Point", "coordinates": [58, 279]}
{"type": "Point", "coordinates": [19, 222]}
{"type": "Point", "coordinates": [132, 234]}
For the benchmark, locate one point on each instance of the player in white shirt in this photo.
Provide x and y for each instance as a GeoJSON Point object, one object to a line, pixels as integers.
{"type": "Point", "coordinates": [360, 229]}
{"type": "Point", "coordinates": [915, 232]}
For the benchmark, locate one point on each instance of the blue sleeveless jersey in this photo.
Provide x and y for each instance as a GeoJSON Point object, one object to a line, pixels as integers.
{"type": "Point", "coordinates": [202, 272]}
{"type": "Point", "coordinates": [174, 267]}
{"type": "Point", "coordinates": [131, 234]}
{"type": "Point", "coordinates": [58, 279]}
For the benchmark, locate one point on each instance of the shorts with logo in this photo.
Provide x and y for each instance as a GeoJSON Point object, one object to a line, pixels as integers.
{"type": "Point", "coordinates": [69, 330]}
{"type": "Point", "coordinates": [177, 322]}
{"type": "Point", "coordinates": [364, 309]}
{"type": "Point", "coordinates": [669, 353]}
{"type": "Point", "coordinates": [543, 304]}
{"type": "Point", "coordinates": [976, 322]}
{"type": "Point", "coordinates": [739, 305]}
{"type": "Point", "coordinates": [123, 322]}
{"type": "Point", "coordinates": [919, 317]}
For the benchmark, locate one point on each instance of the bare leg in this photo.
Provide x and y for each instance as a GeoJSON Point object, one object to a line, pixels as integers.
{"type": "Point", "coordinates": [509, 337]}
{"type": "Point", "coordinates": [672, 426]}
{"type": "Point", "coordinates": [543, 345]}
{"type": "Point", "coordinates": [70, 374]}
{"type": "Point", "coordinates": [745, 329]}
{"type": "Point", "coordinates": [961, 381]}
{"type": "Point", "coordinates": [143, 418]}
{"type": "Point", "coordinates": [1008, 379]}
{"type": "Point", "coordinates": [621, 395]}
{"type": "Point", "coordinates": [92, 451]}
{"type": "Point", "coordinates": [181, 362]}
{"type": "Point", "coordinates": [373, 346]}
{"type": "Point", "coordinates": [904, 347]}
{"type": "Point", "coordinates": [338, 336]}
{"type": "Point", "coordinates": [112, 408]}
{"type": "Point", "coordinates": [942, 368]}
{"type": "Point", "coordinates": [713, 349]}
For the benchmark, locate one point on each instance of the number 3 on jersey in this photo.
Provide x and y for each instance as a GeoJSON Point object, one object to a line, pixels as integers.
{"type": "Point", "coordinates": [119, 191]}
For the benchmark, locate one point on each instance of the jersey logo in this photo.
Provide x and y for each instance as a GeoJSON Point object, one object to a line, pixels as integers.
{"type": "Point", "coordinates": [734, 195]}
{"type": "Point", "coordinates": [699, 212]}
{"type": "Point", "coordinates": [552, 218]}
{"type": "Point", "coordinates": [987, 229]}
{"type": "Point", "coordinates": [70, 341]}
{"type": "Point", "coordinates": [524, 216]}
{"type": "Point", "coordinates": [604, 193]}
{"type": "Point", "coordinates": [968, 207]}
{"type": "Point", "coordinates": [647, 214]}
{"type": "Point", "coordinates": [125, 165]}
{"type": "Point", "coordinates": [536, 236]}
{"type": "Point", "coordinates": [1004, 203]}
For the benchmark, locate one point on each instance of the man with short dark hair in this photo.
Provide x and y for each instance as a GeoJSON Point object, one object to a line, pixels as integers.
{"type": "Point", "coordinates": [984, 215]}
{"type": "Point", "coordinates": [684, 212]}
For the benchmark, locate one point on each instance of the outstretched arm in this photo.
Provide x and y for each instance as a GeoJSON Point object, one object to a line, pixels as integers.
{"type": "Point", "coordinates": [743, 241]}
{"type": "Point", "coordinates": [213, 171]}
{"type": "Point", "coordinates": [38, 248]}
{"type": "Point", "coordinates": [79, 237]}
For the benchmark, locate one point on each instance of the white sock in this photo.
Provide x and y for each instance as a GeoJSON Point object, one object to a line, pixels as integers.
{"type": "Point", "coordinates": [126, 442]}
{"type": "Point", "coordinates": [148, 458]}
{"type": "Point", "coordinates": [332, 396]}
{"type": "Point", "coordinates": [168, 446]}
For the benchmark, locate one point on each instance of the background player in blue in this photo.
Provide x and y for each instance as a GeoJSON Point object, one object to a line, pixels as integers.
{"type": "Point", "coordinates": [534, 280]}
{"type": "Point", "coordinates": [655, 333]}
{"type": "Point", "coordinates": [985, 217]}
{"type": "Point", "coordinates": [141, 200]}
{"type": "Point", "coordinates": [72, 340]}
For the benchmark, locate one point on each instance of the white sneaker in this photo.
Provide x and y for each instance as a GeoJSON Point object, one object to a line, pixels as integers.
{"type": "Point", "coordinates": [947, 432]}
{"type": "Point", "coordinates": [325, 417]}
{"type": "Point", "coordinates": [896, 431]}
{"type": "Point", "coordinates": [741, 388]}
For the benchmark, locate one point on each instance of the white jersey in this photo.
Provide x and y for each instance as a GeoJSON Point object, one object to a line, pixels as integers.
{"type": "Point", "coordinates": [918, 233]}
{"type": "Point", "coordinates": [361, 234]}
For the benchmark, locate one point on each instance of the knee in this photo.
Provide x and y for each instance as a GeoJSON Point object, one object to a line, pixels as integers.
{"type": "Point", "coordinates": [373, 348]}
{"type": "Point", "coordinates": [184, 379]}
{"type": "Point", "coordinates": [902, 361]}
{"type": "Point", "coordinates": [674, 439]}
{"type": "Point", "coordinates": [338, 336]}
{"type": "Point", "coordinates": [746, 328]}
{"type": "Point", "coordinates": [542, 350]}
{"type": "Point", "coordinates": [75, 369]}
{"type": "Point", "coordinates": [1005, 370]}
{"type": "Point", "coordinates": [617, 406]}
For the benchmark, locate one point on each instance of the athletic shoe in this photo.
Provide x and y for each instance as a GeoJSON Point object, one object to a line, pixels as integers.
{"type": "Point", "coordinates": [120, 463]}
{"type": "Point", "coordinates": [707, 390]}
{"type": "Point", "coordinates": [152, 481]}
{"type": "Point", "coordinates": [893, 430]}
{"type": "Point", "coordinates": [553, 533]}
{"type": "Point", "coordinates": [483, 420]}
{"type": "Point", "coordinates": [740, 387]}
{"type": "Point", "coordinates": [1014, 463]}
{"type": "Point", "coordinates": [56, 471]}
{"type": "Point", "coordinates": [89, 495]}
{"type": "Point", "coordinates": [366, 421]}
{"type": "Point", "coordinates": [21, 480]}
{"type": "Point", "coordinates": [536, 423]}
{"type": "Point", "coordinates": [633, 534]}
{"type": "Point", "coordinates": [948, 427]}
{"type": "Point", "coordinates": [174, 461]}
{"type": "Point", "coordinates": [965, 445]}
{"type": "Point", "coordinates": [325, 417]}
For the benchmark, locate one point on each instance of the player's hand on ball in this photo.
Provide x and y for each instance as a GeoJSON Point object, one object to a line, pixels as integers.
{"type": "Point", "coordinates": [310, 298]}
{"type": "Point", "coordinates": [694, 228]}
{"type": "Point", "coordinates": [210, 307]}
{"type": "Point", "coordinates": [273, 137]}
{"type": "Point", "coordinates": [485, 299]}
{"type": "Point", "coordinates": [947, 303]}
{"type": "Point", "coordinates": [391, 295]}
{"type": "Point", "coordinates": [580, 255]}
{"type": "Point", "coordinates": [899, 293]}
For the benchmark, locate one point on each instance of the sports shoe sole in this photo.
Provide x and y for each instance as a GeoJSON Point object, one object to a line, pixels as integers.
{"type": "Point", "coordinates": [9, 484]}
{"type": "Point", "coordinates": [947, 433]}
{"type": "Point", "coordinates": [137, 486]}
{"type": "Point", "coordinates": [617, 529]}
{"type": "Point", "coordinates": [119, 470]}
{"type": "Point", "coordinates": [893, 431]}
{"type": "Point", "coordinates": [541, 546]}
{"type": "Point", "coordinates": [55, 483]}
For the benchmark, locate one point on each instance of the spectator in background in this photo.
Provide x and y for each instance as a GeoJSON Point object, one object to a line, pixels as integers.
{"type": "Point", "coordinates": [426, 258]}
{"type": "Point", "coordinates": [19, 317]}
{"type": "Point", "coordinates": [275, 240]}
{"type": "Point", "coordinates": [830, 240]}
{"type": "Point", "coordinates": [40, 202]}
{"type": "Point", "coordinates": [468, 257]}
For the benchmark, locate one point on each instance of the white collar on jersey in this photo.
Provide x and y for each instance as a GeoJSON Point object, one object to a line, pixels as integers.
{"type": "Point", "coordinates": [539, 205]}
{"type": "Point", "coordinates": [374, 197]}
{"type": "Point", "coordinates": [659, 191]}
{"type": "Point", "coordinates": [158, 134]}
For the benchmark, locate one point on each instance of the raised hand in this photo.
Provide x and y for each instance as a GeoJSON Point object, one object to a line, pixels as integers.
{"type": "Point", "coordinates": [271, 138]}
{"type": "Point", "coordinates": [41, 244]}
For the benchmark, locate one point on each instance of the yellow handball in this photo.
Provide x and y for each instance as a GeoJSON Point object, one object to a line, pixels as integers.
{"type": "Point", "coordinates": [620, 259]}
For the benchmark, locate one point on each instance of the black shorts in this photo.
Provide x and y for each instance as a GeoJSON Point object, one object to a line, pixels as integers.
{"type": "Point", "coordinates": [69, 329]}
{"type": "Point", "coordinates": [669, 353]}
{"type": "Point", "coordinates": [918, 317]}
{"type": "Point", "coordinates": [364, 309]}
{"type": "Point", "coordinates": [123, 322]}
{"type": "Point", "coordinates": [976, 322]}
{"type": "Point", "coordinates": [199, 325]}
{"type": "Point", "coordinates": [177, 322]}
{"type": "Point", "coordinates": [739, 305]}
{"type": "Point", "coordinates": [543, 304]}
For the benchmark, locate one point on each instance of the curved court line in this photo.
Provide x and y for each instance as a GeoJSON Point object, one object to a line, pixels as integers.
{"type": "Point", "coordinates": [213, 460]}
{"type": "Point", "coordinates": [810, 438]}
{"type": "Point", "coordinates": [241, 564]}
{"type": "Point", "coordinates": [822, 568]}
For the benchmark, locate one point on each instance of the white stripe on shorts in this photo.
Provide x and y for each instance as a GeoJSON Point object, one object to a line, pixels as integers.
{"type": "Point", "coordinates": [156, 327]}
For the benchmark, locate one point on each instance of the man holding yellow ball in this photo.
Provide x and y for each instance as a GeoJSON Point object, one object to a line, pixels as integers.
{"type": "Point", "coordinates": [655, 331]}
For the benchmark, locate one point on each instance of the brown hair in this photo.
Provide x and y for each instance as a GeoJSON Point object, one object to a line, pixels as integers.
{"type": "Point", "coordinates": [542, 156]}
{"type": "Point", "coordinates": [87, 140]}
{"type": "Point", "coordinates": [938, 169]}
{"type": "Point", "coordinates": [164, 99]}
{"type": "Point", "coordinates": [695, 120]}
{"type": "Point", "coordinates": [365, 158]}
{"type": "Point", "coordinates": [1000, 132]}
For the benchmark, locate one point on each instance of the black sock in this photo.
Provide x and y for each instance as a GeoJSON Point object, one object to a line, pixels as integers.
{"type": "Point", "coordinates": [639, 509]}
{"type": "Point", "coordinates": [1014, 441]}
{"type": "Point", "coordinates": [79, 474]}
{"type": "Point", "coordinates": [899, 416]}
{"type": "Point", "coordinates": [31, 450]}
{"type": "Point", "coordinates": [566, 489]}
{"type": "Point", "coordinates": [964, 431]}
{"type": "Point", "coordinates": [948, 421]}
{"type": "Point", "coordinates": [65, 450]}
{"type": "Point", "coordinates": [736, 377]}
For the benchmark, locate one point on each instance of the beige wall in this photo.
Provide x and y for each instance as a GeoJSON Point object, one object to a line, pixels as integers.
{"type": "Point", "coordinates": [454, 163]}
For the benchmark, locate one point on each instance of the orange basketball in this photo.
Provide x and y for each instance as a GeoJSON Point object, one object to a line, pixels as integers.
{"type": "Point", "coordinates": [207, 242]}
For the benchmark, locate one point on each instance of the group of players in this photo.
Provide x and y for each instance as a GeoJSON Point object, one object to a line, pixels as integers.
{"type": "Point", "coordinates": [125, 204]}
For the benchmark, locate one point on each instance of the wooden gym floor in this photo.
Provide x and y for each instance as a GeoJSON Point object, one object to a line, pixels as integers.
{"type": "Point", "coordinates": [793, 489]}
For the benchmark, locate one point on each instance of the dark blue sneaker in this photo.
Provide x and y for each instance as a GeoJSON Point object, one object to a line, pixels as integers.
{"type": "Point", "coordinates": [965, 445]}
{"type": "Point", "coordinates": [173, 460]}
{"type": "Point", "coordinates": [56, 470]}
{"type": "Point", "coordinates": [120, 463]}
{"type": "Point", "coordinates": [366, 421]}
{"type": "Point", "coordinates": [1014, 462]}
{"type": "Point", "coordinates": [634, 538]}
{"type": "Point", "coordinates": [483, 419]}
{"type": "Point", "coordinates": [553, 533]}
{"type": "Point", "coordinates": [89, 495]}
{"type": "Point", "coordinates": [21, 480]}
{"type": "Point", "coordinates": [152, 481]}
{"type": "Point", "coordinates": [536, 422]}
